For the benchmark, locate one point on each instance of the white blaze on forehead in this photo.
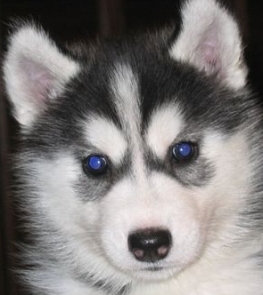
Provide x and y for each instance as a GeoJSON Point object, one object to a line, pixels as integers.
{"type": "Point", "coordinates": [126, 98]}
{"type": "Point", "coordinates": [165, 124]}
{"type": "Point", "coordinates": [104, 135]}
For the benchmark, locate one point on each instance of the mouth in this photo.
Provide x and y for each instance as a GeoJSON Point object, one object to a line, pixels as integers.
{"type": "Point", "coordinates": [157, 272]}
{"type": "Point", "coordinates": [153, 268]}
{"type": "Point", "coordinates": [159, 266]}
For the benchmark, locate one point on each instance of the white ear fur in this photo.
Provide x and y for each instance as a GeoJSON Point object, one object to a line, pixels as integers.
{"type": "Point", "coordinates": [34, 71]}
{"type": "Point", "coordinates": [210, 40]}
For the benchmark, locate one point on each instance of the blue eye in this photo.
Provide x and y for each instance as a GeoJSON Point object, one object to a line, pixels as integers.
{"type": "Point", "coordinates": [184, 151]}
{"type": "Point", "coordinates": [95, 164]}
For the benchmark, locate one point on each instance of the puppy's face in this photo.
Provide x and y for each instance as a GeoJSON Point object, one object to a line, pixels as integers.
{"type": "Point", "coordinates": [135, 155]}
{"type": "Point", "coordinates": [150, 192]}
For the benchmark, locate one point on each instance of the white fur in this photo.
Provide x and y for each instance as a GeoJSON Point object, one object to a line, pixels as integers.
{"type": "Point", "coordinates": [34, 71]}
{"type": "Point", "coordinates": [105, 136]}
{"type": "Point", "coordinates": [126, 92]}
{"type": "Point", "coordinates": [126, 98]}
{"type": "Point", "coordinates": [167, 122]}
{"type": "Point", "coordinates": [64, 197]}
{"type": "Point", "coordinates": [210, 40]}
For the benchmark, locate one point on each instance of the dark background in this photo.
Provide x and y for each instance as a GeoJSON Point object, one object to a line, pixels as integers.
{"type": "Point", "coordinates": [71, 20]}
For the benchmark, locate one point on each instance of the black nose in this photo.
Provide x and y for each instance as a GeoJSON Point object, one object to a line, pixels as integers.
{"type": "Point", "coordinates": [150, 245]}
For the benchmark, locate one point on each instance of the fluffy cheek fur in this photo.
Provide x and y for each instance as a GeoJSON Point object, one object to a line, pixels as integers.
{"type": "Point", "coordinates": [56, 201]}
{"type": "Point", "coordinates": [227, 192]}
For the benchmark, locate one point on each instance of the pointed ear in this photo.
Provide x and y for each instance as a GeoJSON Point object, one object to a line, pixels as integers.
{"type": "Point", "coordinates": [210, 40]}
{"type": "Point", "coordinates": [35, 71]}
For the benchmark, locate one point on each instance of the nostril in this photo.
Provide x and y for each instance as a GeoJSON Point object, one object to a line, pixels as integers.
{"type": "Point", "coordinates": [150, 245]}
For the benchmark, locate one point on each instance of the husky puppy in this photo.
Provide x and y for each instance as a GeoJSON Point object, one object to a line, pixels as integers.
{"type": "Point", "coordinates": [140, 167]}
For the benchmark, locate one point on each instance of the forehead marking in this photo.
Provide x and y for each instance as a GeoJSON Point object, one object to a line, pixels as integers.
{"type": "Point", "coordinates": [106, 137]}
{"type": "Point", "coordinates": [165, 124]}
{"type": "Point", "coordinates": [126, 98]}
